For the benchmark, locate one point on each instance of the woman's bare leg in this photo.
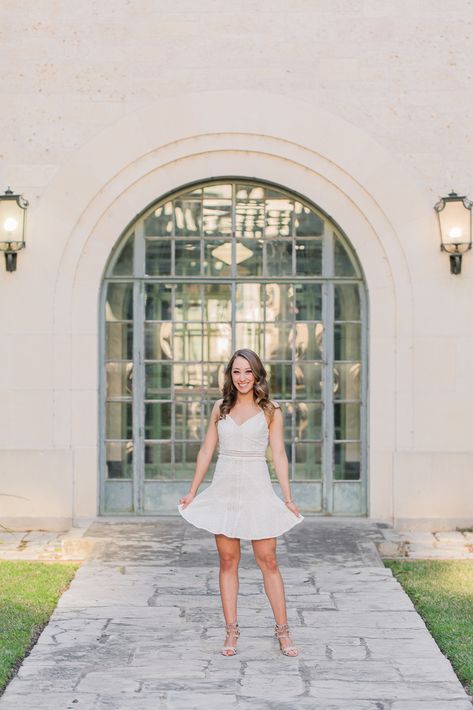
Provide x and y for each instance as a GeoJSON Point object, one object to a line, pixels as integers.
{"type": "Point", "coordinates": [265, 556]}
{"type": "Point", "coordinates": [229, 553]}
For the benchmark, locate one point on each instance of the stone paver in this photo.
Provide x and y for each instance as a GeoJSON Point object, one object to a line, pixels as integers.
{"type": "Point", "coordinates": [141, 627]}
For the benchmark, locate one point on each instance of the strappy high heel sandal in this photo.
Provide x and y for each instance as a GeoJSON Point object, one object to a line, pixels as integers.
{"type": "Point", "coordinates": [231, 628]}
{"type": "Point", "coordinates": [282, 631]}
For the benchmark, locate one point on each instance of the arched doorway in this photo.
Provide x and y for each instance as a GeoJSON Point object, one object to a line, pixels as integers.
{"type": "Point", "coordinates": [215, 266]}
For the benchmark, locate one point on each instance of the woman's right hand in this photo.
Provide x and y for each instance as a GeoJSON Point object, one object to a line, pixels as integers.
{"type": "Point", "coordinates": [185, 500]}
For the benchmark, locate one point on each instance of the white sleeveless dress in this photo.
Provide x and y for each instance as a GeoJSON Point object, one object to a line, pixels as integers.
{"type": "Point", "coordinates": [240, 501]}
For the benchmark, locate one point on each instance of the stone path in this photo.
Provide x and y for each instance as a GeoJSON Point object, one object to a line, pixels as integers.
{"type": "Point", "coordinates": [141, 627]}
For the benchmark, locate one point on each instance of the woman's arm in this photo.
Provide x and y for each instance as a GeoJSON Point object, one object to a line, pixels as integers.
{"type": "Point", "coordinates": [281, 464]}
{"type": "Point", "coordinates": [207, 449]}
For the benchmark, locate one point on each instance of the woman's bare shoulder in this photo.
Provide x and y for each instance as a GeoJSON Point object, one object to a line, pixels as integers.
{"type": "Point", "coordinates": [275, 404]}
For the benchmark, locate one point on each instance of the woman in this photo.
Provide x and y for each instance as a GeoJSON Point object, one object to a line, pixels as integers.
{"type": "Point", "coordinates": [240, 502]}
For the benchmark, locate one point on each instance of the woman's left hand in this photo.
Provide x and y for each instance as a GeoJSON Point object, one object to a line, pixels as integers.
{"type": "Point", "coordinates": [293, 507]}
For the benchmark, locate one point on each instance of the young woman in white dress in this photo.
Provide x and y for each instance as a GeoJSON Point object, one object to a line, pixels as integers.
{"type": "Point", "coordinates": [240, 503]}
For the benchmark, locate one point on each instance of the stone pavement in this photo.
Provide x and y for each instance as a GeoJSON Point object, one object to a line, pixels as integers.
{"type": "Point", "coordinates": [141, 627]}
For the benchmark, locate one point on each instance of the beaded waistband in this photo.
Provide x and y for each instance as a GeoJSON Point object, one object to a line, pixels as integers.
{"type": "Point", "coordinates": [242, 454]}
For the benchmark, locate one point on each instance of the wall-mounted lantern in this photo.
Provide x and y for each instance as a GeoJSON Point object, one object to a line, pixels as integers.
{"type": "Point", "coordinates": [12, 226]}
{"type": "Point", "coordinates": [454, 215]}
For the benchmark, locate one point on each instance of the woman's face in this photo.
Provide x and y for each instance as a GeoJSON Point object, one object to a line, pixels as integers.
{"type": "Point", "coordinates": [242, 375]}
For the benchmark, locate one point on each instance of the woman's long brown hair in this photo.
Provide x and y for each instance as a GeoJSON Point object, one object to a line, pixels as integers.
{"type": "Point", "coordinates": [260, 387]}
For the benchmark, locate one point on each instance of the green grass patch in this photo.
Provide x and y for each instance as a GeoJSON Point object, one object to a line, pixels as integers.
{"type": "Point", "coordinates": [442, 593]}
{"type": "Point", "coordinates": [29, 592]}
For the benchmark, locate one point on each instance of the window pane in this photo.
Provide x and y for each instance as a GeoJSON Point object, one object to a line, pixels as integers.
{"type": "Point", "coordinates": [221, 192]}
{"type": "Point", "coordinates": [159, 222]}
{"type": "Point", "coordinates": [217, 341]}
{"type": "Point", "coordinates": [186, 454]}
{"type": "Point", "coordinates": [346, 380]}
{"type": "Point", "coordinates": [187, 257]}
{"type": "Point", "coordinates": [278, 341]}
{"type": "Point", "coordinates": [119, 302]}
{"type": "Point", "coordinates": [347, 302]}
{"type": "Point", "coordinates": [158, 257]}
{"type": "Point", "coordinates": [347, 341]}
{"type": "Point", "coordinates": [217, 302]}
{"type": "Point", "coordinates": [119, 341]}
{"type": "Point", "coordinates": [158, 302]}
{"type": "Point", "coordinates": [343, 265]}
{"type": "Point", "coordinates": [308, 465]}
{"type": "Point", "coordinates": [188, 419]}
{"type": "Point", "coordinates": [124, 263]}
{"type": "Point", "coordinates": [346, 462]}
{"type": "Point", "coordinates": [279, 302]}
{"type": "Point", "coordinates": [346, 421]}
{"type": "Point", "coordinates": [217, 217]}
{"type": "Point", "coordinates": [250, 219]}
{"type": "Point", "coordinates": [119, 459]}
{"type": "Point", "coordinates": [158, 420]}
{"type": "Point", "coordinates": [158, 341]}
{"type": "Point", "coordinates": [309, 341]}
{"type": "Point", "coordinates": [188, 341]}
{"type": "Point", "coordinates": [279, 257]}
{"type": "Point", "coordinates": [307, 222]}
{"type": "Point", "coordinates": [249, 257]}
{"type": "Point", "coordinates": [188, 218]}
{"type": "Point", "coordinates": [280, 380]}
{"type": "Point", "coordinates": [213, 378]}
{"type": "Point", "coordinates": [308, 421]}
{"type": "Point", "coordinates": [158, 459]}
{"type": "Point", "coordinates": [217, 257]}
{"type": "Point", "coordinates": [187, 378]}
{"type": "Point", "coordinates": [118, 420]}
{"type": "Point", "coordinates": [309, 257]}
{"type": "Point", "coordinates": [188, 302]}
{"type": "Point", "coordinates": [249, 304]}
{"type": "Point", "coordinates": [250, 335]}
{"type": "Point", "coordinates": [279, 217]}
{"type": "Point", "coordinates": [119, 376]}
{"type": "Point", "coordinates": [157, 380]}
{"type": "Point", "coordinates": [308, 301]}
{"type": "Point", "coordinates": [308, 380]}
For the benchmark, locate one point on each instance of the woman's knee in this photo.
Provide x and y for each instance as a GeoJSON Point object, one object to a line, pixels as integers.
{"type": "Point", "coordinates": [268, 562]}
{"type": "Point", "coordinates": [229, 561]}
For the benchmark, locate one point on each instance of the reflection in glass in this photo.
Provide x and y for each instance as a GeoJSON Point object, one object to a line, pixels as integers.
{"type": "Point", "coordinates": [219, 191]}
{"type": "Point", "coordinates": [217, 341]}
{"type": "Point", "coordinates": [308, 378]}
{"type": "Point", "coordinates": [188, 419]}
{"type": "Point", "coordinates": [249, 219]}
{"type": "Point", "coordinates": [119, 303]}
{"type": "Point", "coordinates": [278, 341]}
{"type": "Point", "coordinates": [343, 265]}
{"type": "Point", "coordinates": [347, 302]}
{"type": "Point", "coordinates": [279, 217]}
{"type": "Point", "coordinates": [250, 335]}
{"type": "Point", "coordinates": [119, 379]}
{"type": "Point", "coordinates": [279, 302]}
{"type": "Point", "coordinates": [187, 377]}
{"type": "Point", "coordinates": [213, 379]}
{"type": "Point", "coordinates": [185, 453]}
{"type": "Point", "coordinates": [217, 302]}
{"type": "Point", "coordinates": [346, 380]}
{"type": "Point", "coordinates": [158, 461]}
{"type": "Point", "coordinates": [307, 222]}
{"type": "Point", "coordinates": [187, 257]}
{"type": "Point", "coordinates": [118, 420]}
{"type": "Point", "coordinates": [158, 420]}
{"type": "Point", "coordinates": [159, 222]}
{"type": "Point", "coordinates": [346, 461]}
{"type": "Point", "coordinates": [308, 301]}
{"type": "Point", "coordinates": [217, 217]}
{"type": "Point", "coordinates": [217, 258]}
{"type": "Point", "coordinates": [279, 257]}
{"type": "Point", "coordinates": [158, 257]}
{"type": "Point", "coordinates": [347, 341]}
{"type": "Point", "coordinates": [119, 341]}
{"type": "Point", "coordinates": [158, 341]}
{"type": "Point", "coordinates": [308, 421]}
{"type": "Point", "coordinates": [280, 380]}
{"type": "Point", "coordinates": [249, 304]}
{"type": "Point", "coordinates": [309, 257]}
{"type": "Point", "coordinates": [309, 341]}
{"type": "Point", "coordinates": [188, 304]}
{"type": "Point", "coordinates": [158, 302]}
{"type": "Point", "coordinates": [346, 420]}
{"type": "Point", "coordinates": [124, 264]}
{"type": "Point", "coordinates": [119, 459]}
{"type": "Point", "coordinates": [188, 219]}
{"type": "Point", "coordinates": [249, 257]}
{"type": "Point", "coordinates": [308, 466]}
{"type": "Point", "coordinates": [188, 341]}
{"type": "Point", "coordinates": [157, 380]}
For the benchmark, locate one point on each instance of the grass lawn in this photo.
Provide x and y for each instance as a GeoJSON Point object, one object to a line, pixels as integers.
{"type": "Point", "coordinates": [29, 592]}
{"type": "Point", "coordinates": [442, 593]}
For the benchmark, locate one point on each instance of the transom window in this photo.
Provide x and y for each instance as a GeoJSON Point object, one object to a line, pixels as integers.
{"type": "Point", "coordinates": [213, 268]}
